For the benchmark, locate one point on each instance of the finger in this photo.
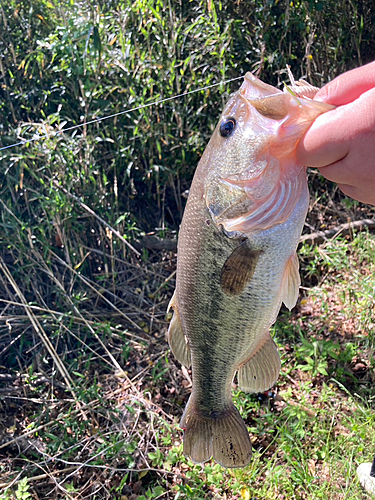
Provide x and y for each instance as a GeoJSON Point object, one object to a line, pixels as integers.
{"type": "Point", "coordinates": [358, 194]}
{"type": "Point", "coordinates": [335, 133]}
{"type": "Point", "coordinates": [348, 86]}
{"type": "Point", "coordinates": [341, 172]}
{"type": "Point", "coordinates": [338, 172]}
{"type": "Point", "coordinates": [356, 169]}
{"type": "Point", "coordinates": [323, 143]}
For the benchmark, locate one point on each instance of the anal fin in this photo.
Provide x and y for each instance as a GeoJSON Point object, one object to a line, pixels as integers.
{"type": "Point", "coordinates": [291, 282]}
{"type": "Point", "coordinates": [176, 337]}
{"type": "Point", "coordinates": [261, 371]}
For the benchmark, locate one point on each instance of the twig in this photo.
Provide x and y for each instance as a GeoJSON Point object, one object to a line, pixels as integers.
{"type": "Point", "coordinates": [310, 413]}
{"type": "Point", "coordinates": [81, 277]}
{"type": "Point", "coordinates": [27, 433]}
{"type": "Point", "coordinates": [320, 236]}
{"type": "Point", "coordinates": [41, 476]}
{"type": "Point", "coordinates": [106, 467]}
{"type": "Point", "coordinates": [39, 330]}
{"type": "Point", "coordinates": [59, 314]}
{"type": "Point", "coordinates": [91, 212]}
{"type": "Point", "coordinates": [164, 283]}
{"type": "Point", "coordinates": [52, 422]}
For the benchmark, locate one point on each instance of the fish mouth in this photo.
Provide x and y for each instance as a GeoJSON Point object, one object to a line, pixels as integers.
{"type": "Point", "coordinates": [273, 106]}
{"type": "Point", "coordinates": [255, 97]}
{"type": "Point", "coordinates": [268, 101]}
{"type": "Point", "coordinates": [276, 104]}
{"type": "Point", "coordinates": [259, 89]}
{"type": "Point", "coordinates": [254, 89]}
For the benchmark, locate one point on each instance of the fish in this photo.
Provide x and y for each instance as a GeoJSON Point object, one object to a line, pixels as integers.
{"type": "Point", "coordinates": [237, 261]}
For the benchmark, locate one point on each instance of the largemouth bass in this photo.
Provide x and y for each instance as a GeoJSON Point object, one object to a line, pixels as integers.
{"type": "Point", "coordinates": [237, 262]}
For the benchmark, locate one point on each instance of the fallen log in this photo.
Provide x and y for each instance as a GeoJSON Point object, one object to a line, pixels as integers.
{"type": "Point", "coordinates": [156, 243]}
{"type": "Point", "coordinates": [343, 229]}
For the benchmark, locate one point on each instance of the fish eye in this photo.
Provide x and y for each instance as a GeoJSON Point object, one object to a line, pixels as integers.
{"type": "Point", "coordinates": [227, 126]}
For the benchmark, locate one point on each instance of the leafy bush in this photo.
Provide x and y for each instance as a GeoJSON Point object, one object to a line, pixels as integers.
{"type": "Point", "coordinates": [68, 64]}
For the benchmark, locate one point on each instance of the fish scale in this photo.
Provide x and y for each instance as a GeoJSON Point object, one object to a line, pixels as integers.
{"type": "Point", "coordinates": [237, 262]}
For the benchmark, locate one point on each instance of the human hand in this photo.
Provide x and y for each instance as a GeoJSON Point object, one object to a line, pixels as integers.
{"type": "Point", "coordinates": [341, 142]}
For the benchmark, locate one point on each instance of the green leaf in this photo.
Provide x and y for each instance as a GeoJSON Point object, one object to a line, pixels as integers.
{"type": "Point", "coordinates": [97, 41]}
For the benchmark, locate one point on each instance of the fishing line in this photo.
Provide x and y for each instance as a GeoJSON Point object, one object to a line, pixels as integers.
{"type": "Point", "coordinates": [155, 103]}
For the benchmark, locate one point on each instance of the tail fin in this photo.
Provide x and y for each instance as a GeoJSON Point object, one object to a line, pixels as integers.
{"type": "Point", "coordinates": [223, 437]}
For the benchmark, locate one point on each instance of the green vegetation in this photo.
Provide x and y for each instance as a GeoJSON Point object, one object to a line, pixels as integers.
{"type": "Point", "coordinates": [90, 396]}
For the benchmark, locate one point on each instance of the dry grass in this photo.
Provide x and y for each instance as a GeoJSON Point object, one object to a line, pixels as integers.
{"type": "Point", "coordinates": [90, 397]}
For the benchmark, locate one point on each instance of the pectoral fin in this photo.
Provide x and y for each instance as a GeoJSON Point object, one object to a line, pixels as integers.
{"type": "Point", "coordinates": [238, 269]}
{"type": "Point", "coordinates": [291, 282]}
{"type": "Point", "coordinates": [176, 337]}
{"type": "Point", "coordinates": [261, 371]}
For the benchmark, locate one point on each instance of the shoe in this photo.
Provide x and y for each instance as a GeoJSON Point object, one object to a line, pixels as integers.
{"type": "Point", "coordinates": [366, 476]}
